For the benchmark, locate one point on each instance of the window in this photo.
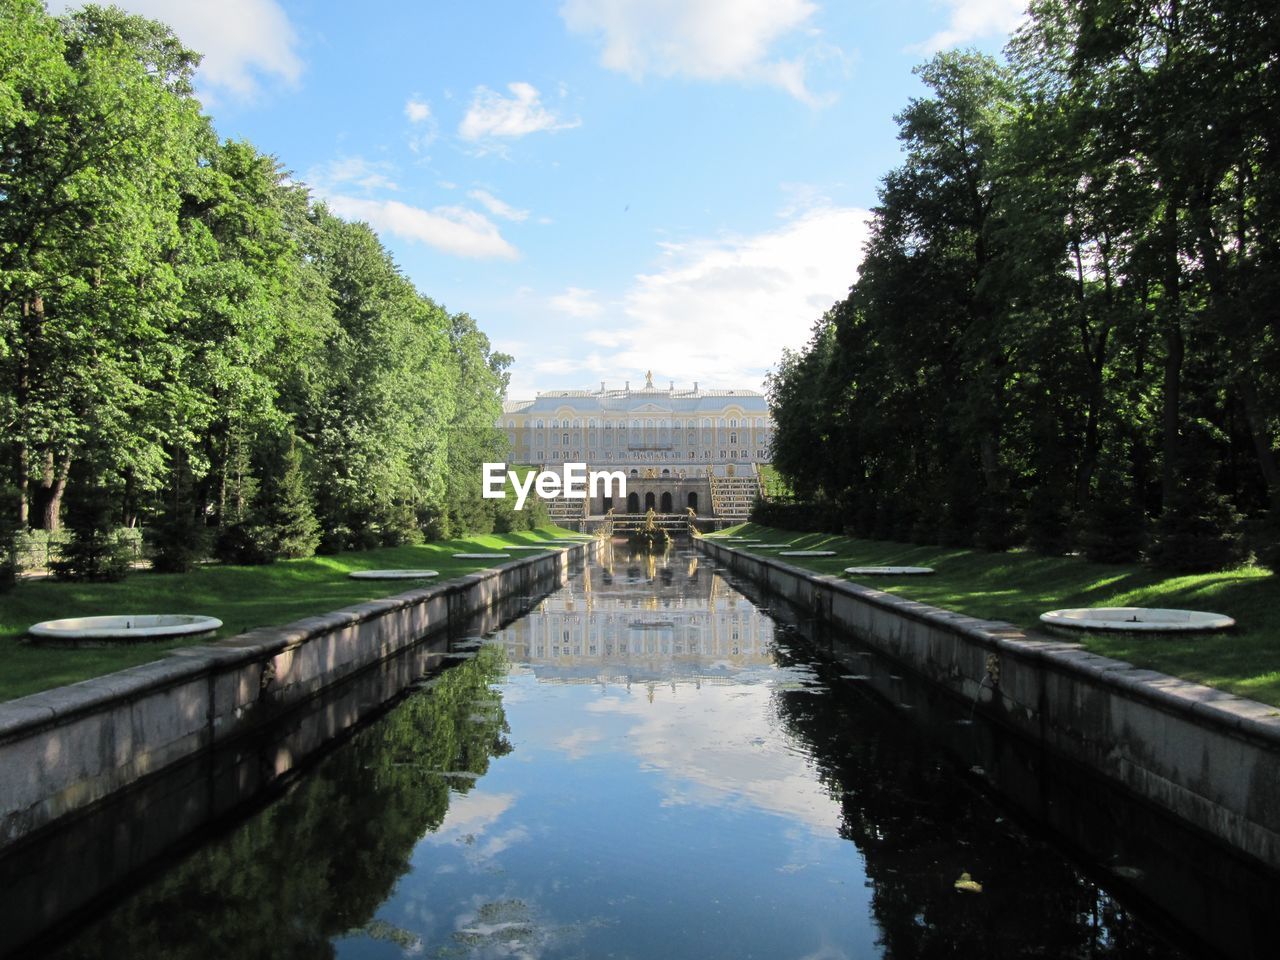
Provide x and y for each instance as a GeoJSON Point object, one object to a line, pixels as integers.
{"type": "Point", "coordinates": [564, 439]}
{"type": "Point", "coordinates": [733, 439]}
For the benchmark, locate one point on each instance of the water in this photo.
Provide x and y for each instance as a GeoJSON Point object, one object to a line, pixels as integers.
{"type": "Point", "coordinates": [648, 765]}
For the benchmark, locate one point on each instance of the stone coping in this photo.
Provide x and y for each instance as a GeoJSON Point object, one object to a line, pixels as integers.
{"type": "Point", "coordinates": [480, 556]}
{"type": "Point", "coordinates": [1241, 715]}
{"type": "Point", "coordinates": [808, 553]}
{"type": "Point", "coordinates": [888, 571]}
{"type": "Point", "coordinates": [37, 710]}
{"type": "Point", "coordinates": [142, 626]}
{"type": "Point", "coordinates": [1138, 620]}
{"type": "Point", "coordinates": [393, 574]}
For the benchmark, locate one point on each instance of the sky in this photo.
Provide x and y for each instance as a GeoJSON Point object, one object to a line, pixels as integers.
{"type": "Point", "coordinates": [607, 186]}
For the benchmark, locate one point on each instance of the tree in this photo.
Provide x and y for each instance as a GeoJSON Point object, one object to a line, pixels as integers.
{"type": "Point", "coordinates": [98, 123]}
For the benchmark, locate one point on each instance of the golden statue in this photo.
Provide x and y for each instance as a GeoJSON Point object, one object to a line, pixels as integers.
{"type": "Point", "coordinates": [648, 380]}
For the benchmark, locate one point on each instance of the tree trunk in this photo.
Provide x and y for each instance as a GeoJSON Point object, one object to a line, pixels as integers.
{"type": "Point", "coordinates": [1174, 350]}
{"type": "Point", "coordinates": [52, 486]}
{"type": "Point", "coordinates": [1238, 327]}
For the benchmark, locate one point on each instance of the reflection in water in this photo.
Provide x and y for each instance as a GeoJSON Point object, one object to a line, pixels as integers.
{"type": "Point", "coordinates": [645, 765]}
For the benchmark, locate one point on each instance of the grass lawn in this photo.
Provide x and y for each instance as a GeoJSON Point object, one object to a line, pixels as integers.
{"type": "Point", "coordinates": [1017, 587]}
{"type": "Point", "coordinates": [241, 597]}
{"type": "Point", "coordinates": [774, 483]}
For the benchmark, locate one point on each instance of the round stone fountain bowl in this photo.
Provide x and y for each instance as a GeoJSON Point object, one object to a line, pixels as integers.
{"type": "Point", "coordinates": [1137, 620]}
{"type": "Point", "coordinates": [133, 628]}
{"type": "Point", "coordinates": [393, 574]}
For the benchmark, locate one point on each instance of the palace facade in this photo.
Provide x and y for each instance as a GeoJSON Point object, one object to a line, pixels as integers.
{"type": "Point", "coordinates": [648, 427]}
{"type": "Point", "coordinates": [681, 448]}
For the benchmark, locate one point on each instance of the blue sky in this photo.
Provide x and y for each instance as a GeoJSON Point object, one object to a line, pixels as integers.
{"type": "Point", "coordinates": [607, 186]}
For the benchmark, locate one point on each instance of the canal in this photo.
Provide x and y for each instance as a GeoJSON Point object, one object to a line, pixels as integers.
{"type": "Point", "coordinates": [653, 761]}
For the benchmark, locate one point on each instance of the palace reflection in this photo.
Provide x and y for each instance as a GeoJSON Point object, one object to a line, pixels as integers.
{"type": "Point", "coordinates": [689, 627]}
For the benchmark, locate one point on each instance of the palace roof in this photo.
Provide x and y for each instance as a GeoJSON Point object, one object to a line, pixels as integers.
{"type": "Point", "coordinates": [646, 400]}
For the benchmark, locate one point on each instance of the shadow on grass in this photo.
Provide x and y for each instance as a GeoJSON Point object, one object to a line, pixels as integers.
{"type": "Point", "coordinates": [243, 598]}
{"type": "Point", "coordinates": [1019, 586]}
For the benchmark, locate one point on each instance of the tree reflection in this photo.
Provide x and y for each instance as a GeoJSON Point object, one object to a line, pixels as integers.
{"type": "Point", "coordinates": [319, 862]}
{"type": "Point", "coordinates": [920, 825]}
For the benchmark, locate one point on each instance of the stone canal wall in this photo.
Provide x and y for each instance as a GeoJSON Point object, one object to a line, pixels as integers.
{"type": "Point", "coordinates": [62, 750]}
{"type": "Point", "coordinates": [1209, 757]}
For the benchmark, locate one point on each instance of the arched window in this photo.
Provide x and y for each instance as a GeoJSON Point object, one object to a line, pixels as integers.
{"type": "Point", "coordinates": [541, 425]}
{"type": "Point", "coordinates": [733, 439]}
{"type": "Point", "coordinates": [564, 439]}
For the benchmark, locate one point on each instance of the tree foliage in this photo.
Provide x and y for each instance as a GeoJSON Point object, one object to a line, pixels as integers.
{"type": "Point", "coordinates": [186, 329]}
{"type": "Point", "coordinates": [1061, 331]}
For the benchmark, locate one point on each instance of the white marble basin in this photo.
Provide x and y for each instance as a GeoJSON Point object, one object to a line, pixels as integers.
{"type": "Point", "coordinates": [888, 571]}
{"type": "Point", "coordinates": [393, 574]}
{"type": "Point", "coordinates": [1138, 620]}
{"type": "Point", "coordinates": [146, 626]}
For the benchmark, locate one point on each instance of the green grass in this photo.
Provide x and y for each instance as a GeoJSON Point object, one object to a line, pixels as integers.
{"type": "Point", "coordinates": [241, 597]}
{"type": "Point", "coordinates": [775, 485]}
{"type": "Point", "coordinates": [1017, 587]}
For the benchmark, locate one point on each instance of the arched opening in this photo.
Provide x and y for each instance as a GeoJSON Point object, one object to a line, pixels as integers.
{"type": "Point", "coordinates": [693, 501]}
{"type": "Point", "coordinates": [607, 505]}
{"type": "Point", "coordinates": [665, 502]}
{"type": "Point", "coordinates": [633, 503]}
{"type": "Point", "coordinates": [649, 501]}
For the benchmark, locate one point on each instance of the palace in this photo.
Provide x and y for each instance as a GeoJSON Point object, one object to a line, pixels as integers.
{"type": "Point", "coordinates": [681, 448]}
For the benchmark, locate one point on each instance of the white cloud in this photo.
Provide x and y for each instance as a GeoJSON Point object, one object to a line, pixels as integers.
{"type": "Point", "coordinates": [471, 814]}
{"type": "Point", "coordinates": [576, 302]}
{"type": "Point", "coordinates": [453, 230]}
{"type": "Point", "coordinates": [974, 20]}
{"type": "Point", "coordinates": [716, 748]}
{"type": "Point", "coordinates": [704, 39]}
{"type": "Point", "coordinates": [418, 111]}
{"type": "Point", "coordinates": [351, 171]}
{"type": "Point", "coordinates": [244, 42]}
{"type": "Point", "coordinates": [422, 122]}
{"type": "Point", "coordinates": [497, 207]}
{"type": "Point", "coordinates": [493, 115]}
{"type": "Point", "coordinates": [717, 311]}
{"type": "Point", "coordinates": [722, 311]}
